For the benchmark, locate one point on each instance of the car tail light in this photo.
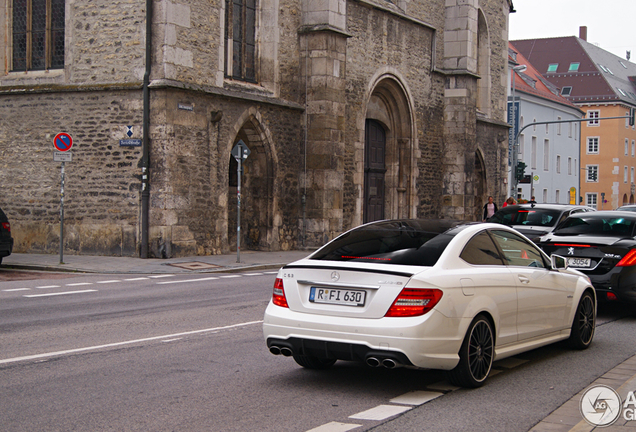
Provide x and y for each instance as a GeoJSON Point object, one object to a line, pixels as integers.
{"type": "Point", "coordinates": [414, 302]}
{"type": "Point", "coordinates": [571, 245]}
{"type": "Point", "coordinates": [611, 296]}
{"type": "Point", "coordinates": [278, 298]}
{"type": "Point", "coordinates": [628, 260]}
{"type": "Point", "coordinates": [7, 226]}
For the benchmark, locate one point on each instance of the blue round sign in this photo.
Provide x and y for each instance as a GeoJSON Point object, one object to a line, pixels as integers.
{"type": "Point", "coordinates": [63, 142]}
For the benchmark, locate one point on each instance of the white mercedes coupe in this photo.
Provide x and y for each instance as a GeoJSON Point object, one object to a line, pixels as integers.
{"type": "Point", "coordinates": [433, 294]}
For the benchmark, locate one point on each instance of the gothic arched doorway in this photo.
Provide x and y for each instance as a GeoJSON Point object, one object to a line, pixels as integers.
{"type": "Point", "coordinates": [374, 171]}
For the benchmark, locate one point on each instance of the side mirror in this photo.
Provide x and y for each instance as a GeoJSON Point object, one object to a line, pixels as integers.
{"type": "Point", "coordinates": [558, 262]}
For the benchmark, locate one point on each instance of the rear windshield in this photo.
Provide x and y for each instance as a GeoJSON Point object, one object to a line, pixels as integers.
{"type": "Point", "coordinates": [595, 225]}
{"type": "Point", "coordinates": [388, 244]}
{"type": "Point", "coordinates": [527, 216]}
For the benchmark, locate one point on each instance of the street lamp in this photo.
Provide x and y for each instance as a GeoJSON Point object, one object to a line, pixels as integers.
{"type": "Point", "coordinates": [513, 164]}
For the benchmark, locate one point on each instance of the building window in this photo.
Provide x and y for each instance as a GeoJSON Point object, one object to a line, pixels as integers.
{"type": "Point", "coordinates": [240, 37]}
{"type": "Point", "coordinates": [533, 154]}
{"type": "Point", "coordinates": [534, 127]}
{"type": "Point", "coordinates": [566, 91]}
{"type": "Point", "coordinates": [521, 145]}
{"type": "Point", "coordinates": [546, 155]}
{"type": "Point", "coordinates": [558, 164]}
{"type": "Point", "coordinates": [545, 195]}
{"type": "Point", "coordinates": [624, 174]}
{"type": "Point", "coordinates": [592, 174]}
{"type": "Point", "coordinates": [633, 149]}
{"type": "Point", "coordinates": [547, 129]}
{"type": "Point", "coordinates": [570, 126]}
{"type": "Point", "coordinates": [552, 67]}
{"type": "Point", "coordinates": [574, 67]}
{"type": "Point", "coordinates": [557, 196]}
{"type": "Point", "coordinates": [626, 147]}
{"type": "Point", "coordinates": [590, 200]}
{"type": "Point", "coordinates": [569, 166]}
{"type": "Point", "coordinates": [592, 145]}
{"type": "Point", "coordinates": [38, 35]}
{"type": "Point", "coordinates": [593, 117]}
{"type": "Point", "coordinates": [632, 175]}
{"type": "Point", "coordinates": [558, 126]}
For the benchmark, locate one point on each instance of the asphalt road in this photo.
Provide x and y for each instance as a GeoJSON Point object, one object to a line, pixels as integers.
{"type": "Point", "coordinates": [186, 353]}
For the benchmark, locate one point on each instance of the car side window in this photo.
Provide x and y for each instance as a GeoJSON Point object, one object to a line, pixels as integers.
{"type": "Point", "coordinates": [517, 251]}
{"type": "Point", "coordinates": [481, 250]}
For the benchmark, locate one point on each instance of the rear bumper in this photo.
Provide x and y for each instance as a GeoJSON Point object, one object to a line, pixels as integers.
{"type": "Point", "coordinates": [6, 247]}
{"type": "Point", "coordinates": [620, 283]}
{"type": "Point", "coordinates": [431, 341]}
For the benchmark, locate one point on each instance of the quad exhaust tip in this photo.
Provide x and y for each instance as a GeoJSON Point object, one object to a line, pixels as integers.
{"type": "Point", "coordinates": [388, 363]}
{"type": "Point", "coordinates": [278, 350]}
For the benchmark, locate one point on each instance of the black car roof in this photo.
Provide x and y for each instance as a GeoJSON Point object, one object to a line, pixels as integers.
{"type": "Point", "coordinates": [546, 206]}
{"type": "Point", "coordinates": [606, 213]}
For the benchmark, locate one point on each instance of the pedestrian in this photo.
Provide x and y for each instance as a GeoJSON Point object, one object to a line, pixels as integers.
{"type": "Point", "coordinates": [490, 208]}
{"type": "Point", "coordinates": [532, 201]}
{"type": "Point", "coordinates": [509, 201]}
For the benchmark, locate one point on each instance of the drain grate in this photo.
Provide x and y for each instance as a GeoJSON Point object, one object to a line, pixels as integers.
{"type": "Point", "coordinates": [195, 265]}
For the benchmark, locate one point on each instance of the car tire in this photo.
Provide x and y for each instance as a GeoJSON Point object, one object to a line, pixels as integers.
{"type": "Point", "coordinates": [584, 323]}
{"type": "Point", "coordinates": [475, 355]}
{"type": "Point", "coordinates": [311, 362]}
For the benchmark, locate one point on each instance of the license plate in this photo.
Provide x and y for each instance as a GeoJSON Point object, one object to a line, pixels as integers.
{"type": "Point", "coordinates": [579, 262]}
{"type": "Point", "coordinates": [337, 296]}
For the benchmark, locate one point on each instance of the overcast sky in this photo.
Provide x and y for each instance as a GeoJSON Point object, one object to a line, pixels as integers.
{"type": "Point", "coordinates": [611, 24]}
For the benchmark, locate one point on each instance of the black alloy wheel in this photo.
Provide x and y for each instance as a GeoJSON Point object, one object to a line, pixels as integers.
{"type": "Point", "coordinates": [584, 323]}
{"type": "Point", "coordinates": [475, 356]}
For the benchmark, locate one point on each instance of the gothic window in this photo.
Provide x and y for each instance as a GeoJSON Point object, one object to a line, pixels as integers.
{"type": "Point", "coordinates": [240, 37]}
{"type": "Point", "coordinates": [38, 35]}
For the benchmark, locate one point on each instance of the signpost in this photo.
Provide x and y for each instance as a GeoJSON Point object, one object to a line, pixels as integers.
{"type": "Point", "coordinates": [240, 152]}
{"type": "Point", "coordinates": [63, 143]}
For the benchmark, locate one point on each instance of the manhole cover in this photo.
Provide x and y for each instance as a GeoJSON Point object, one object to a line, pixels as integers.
{"type": "Point", "coordinates": [195, 265]}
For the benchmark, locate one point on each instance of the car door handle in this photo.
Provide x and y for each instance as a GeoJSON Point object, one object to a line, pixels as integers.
{"type": "Point", "coordinates": [524, 279]}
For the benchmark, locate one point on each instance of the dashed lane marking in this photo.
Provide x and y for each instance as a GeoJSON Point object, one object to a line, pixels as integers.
{"type": "Point", "coordinates": [129, 342]}
{"type": "Point", "coordinates": [47, 287]}
{"type": "Point", "coordinates": [381, 412]}
{"type": "Point", "coordinates": [160, 276]}
{"type": "Point", "coordinates": [79, 284]}
{"type": "Point", "coordinates": [108, 281]}
{"type": "Point", "coordinates": [335, 427]}
{"type": "Point", "coordinates": [136, 279]}
{"type": "Point", "coordinates": [16, 289]}
{"type": "Point", "coordinates": [187, 280]}
{"type": "Point", "coordinates": [59, 293]}
{"type": "Point", "coordinates": [416, 397]}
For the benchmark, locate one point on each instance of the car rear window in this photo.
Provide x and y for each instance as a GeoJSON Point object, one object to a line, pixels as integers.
{"type": "Point", "coordinates": [595, 225]}
{"type": "Point", "coordinates": [527, 216]}
{"type": "Point", "coordinates": [3, 217]}
{"type": "Point", "coordinates": [388, 243]}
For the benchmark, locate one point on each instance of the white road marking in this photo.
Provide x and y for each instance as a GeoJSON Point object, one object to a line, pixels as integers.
{"type": "Point", "coordinates": [230, 276]}
{"type": "Point", "coordinates": [271, 272]}
{"type": "Point", "coordinates": [187, 280]}
{"type": "Point", "coordinates": [59, 293]}
{"type": "Point", "coordinates": [171, 340]}
{"type": "Point", "coordinates": [335, 427]}
{"type": "Point", "coordinates": [79, 284]}
{"type": "Point", "coordinates": [416, 397]}
{"type": "Point", "coordinates": [16, 289]}
{"type": "Point", "coordinates": [48, 286]}
{"type": "Point", "coordinates": [118, 344]}
{"type": "Point", "coordinates": [136, 279]}
{"type": "Point", "coordinates": [381, 412]}
{"type": "Point", "coordinates": [109, 281]}
{"type": "Point", "coordinates": [160, 276]}
{"type": "Point", "coordinates": [253, 274]}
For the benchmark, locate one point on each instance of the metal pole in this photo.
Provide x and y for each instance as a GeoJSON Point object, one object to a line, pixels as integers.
{"type": "Point", "coordinates": [238, 209]}
{"type": "Point", "coordinates": [513, 164]}
{"type": "Point", "coordinates": [62, 218]}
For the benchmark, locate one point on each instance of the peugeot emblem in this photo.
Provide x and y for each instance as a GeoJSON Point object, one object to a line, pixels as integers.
{"type": "Point", "coordinates": [570, 251]}
{"type": "Point", "coordinates": [335, 276]}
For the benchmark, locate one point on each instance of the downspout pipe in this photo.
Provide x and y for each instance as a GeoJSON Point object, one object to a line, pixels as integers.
{"type": "Point", "coordinates": [145, 159]}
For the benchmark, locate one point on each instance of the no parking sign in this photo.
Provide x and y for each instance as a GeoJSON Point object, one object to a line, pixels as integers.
{"type": "Point", "coordinates": [63, 142]}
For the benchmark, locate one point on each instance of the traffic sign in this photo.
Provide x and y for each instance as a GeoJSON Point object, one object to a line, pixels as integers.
{"type": "Point", "coordinates": [62, 157]}
{"type": "Point", "coordinates": [63, 142]}
{"type": "Point", "coordinates": [240, 151]}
